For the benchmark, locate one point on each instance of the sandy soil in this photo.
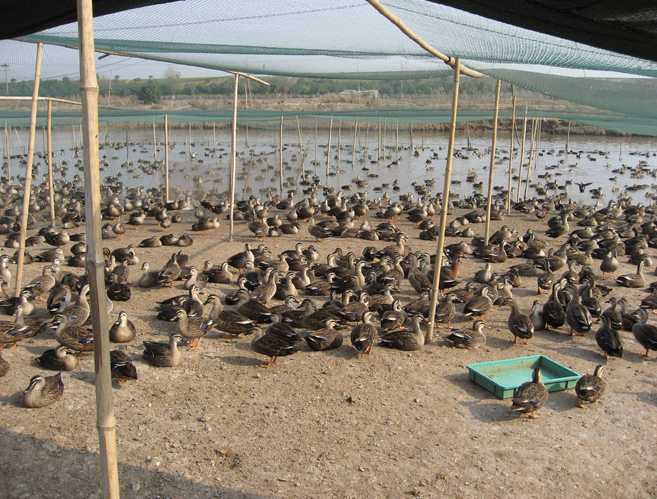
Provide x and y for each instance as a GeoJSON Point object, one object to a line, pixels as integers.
{"type": "Point", "coordinates": [393, 424]}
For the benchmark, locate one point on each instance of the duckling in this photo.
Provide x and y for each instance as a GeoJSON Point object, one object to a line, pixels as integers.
{"type": "Point", "coordinates": [578, 316]}
{"type": "Point", "coordinates": [608, 339]}
{"type": "Point", "coordinates": [163, 354]}
{"type": "Point", "coordinates": [327, 338]}
{"type": "Point", "coordinates": [591, 387]}
{"type": "Point", "coordinates": [58, 359]}
{"type": "Point", "coordinates": [43, 391]}
{"type": "Point", "coordinates": [279, 340]}
{"type": "Point", "coordinates": [404, 338]}
{"type": "Point", "coordinates": [460, 338]}
{"type": "Point", "coordinates": [363, 334]}
{"type": "Point", "coordinates": [123, 330]}
{"type": "Point", "coordinates": [637, 280]}
{"type": "Point", "coordinates": [646, 335]}
{"type": "Point", "coordinates": [519, 324]}
{"type": "Point", "coordinates": [530, 396]}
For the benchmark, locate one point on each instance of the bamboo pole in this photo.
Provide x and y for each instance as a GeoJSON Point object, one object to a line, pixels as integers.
{"type": "Point", "coordinates": [511, 148]}
{"type": "Point", "coordinates": [328, 150]}
{"type": "Point", "coordinates": [522, 154]}
{"type": "Point", "coordinates": [410, 133]}
{"type": "Point", "coordinates": [445, 208]}
{"type": "Point", "coordinates": [233, 156]}
{"type": "Point", "coordinates": [127, 144]}
{"type": "Point", "coordinates": [7, 152]}
{"type": "Point", "coordinates": [95, 260]}
{"type": "Point", "coordinates": [531, 156]}
{"type": "Point", "coordinates": [28, 170]}
{"type": "Point", "coordinates": [316, 141]}
{"type": "Point", "coordinates": [189, 141]}
{"type": "Point", "coordinates": [491, 166]}
{"type": "Point", "coordinates": [300, 149]}
{"type": "Point", "coordinates": [280, 157]}
{"type": "Point", "coordinates": [379, 152]}
{"type": "Point", "coordinates": [154, 143]}
{"type": "Point", "coordinates": [166, 158]}
{"type": "Point", "coordinates": [568, 140]}
{"type": "Point", "coordinates": [214, 136]}
{"type": "Point", "coordinates": [396, 139]}
{"type": "Point", "coordinates": [51, 183]}
{"type": "Point", "coordinates": [353, 148]}
{"type": "Point", "coordinates": [337, 167]}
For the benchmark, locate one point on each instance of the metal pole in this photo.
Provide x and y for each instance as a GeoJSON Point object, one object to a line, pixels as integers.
{"type": "Point", "coordinates": [28, 170]}
{"type": "Point", "coordinates": [491, 166]}
{"type": "Point", "coordinates": [166, 158]}
{"type": "Point", "coordinates": [522, 154]}
{"type": "Point", "coordinates": [511, 143]}
{"type": "Point", "coordinates": [233, 157]}
{"type": "Point", "coordinates": [445, 208]}
{"type": "Point", "coordinates": [51, 183]}
{"type": "Point", "coordinates": [95, 260]}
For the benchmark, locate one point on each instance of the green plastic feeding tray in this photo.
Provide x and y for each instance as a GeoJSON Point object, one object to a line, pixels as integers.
{"type": "Point", "coordinates": [502, 377]}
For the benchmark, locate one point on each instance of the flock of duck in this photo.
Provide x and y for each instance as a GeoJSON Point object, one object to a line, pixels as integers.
{"type": "Point", "coordinates": [380, 297]}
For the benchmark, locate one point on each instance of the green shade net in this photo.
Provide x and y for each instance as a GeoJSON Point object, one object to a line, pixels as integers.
{"type": "Point", "coordinates": [348, 39]}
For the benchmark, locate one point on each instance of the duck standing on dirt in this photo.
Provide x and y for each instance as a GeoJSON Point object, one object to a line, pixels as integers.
{"type": "Point", "coordinates": [530, 396]}
{"type": "Point", "coordinates": [590, 387]}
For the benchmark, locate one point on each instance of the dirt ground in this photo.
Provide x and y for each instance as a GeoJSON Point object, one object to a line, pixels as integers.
{"type": "Point", "coordinates": [389, 425]}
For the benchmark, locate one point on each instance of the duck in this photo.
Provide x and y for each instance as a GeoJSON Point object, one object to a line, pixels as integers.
{"type": "Point", "coordinates": [363, 334]}
{"type": "Point", "coordinates": [234, 323]}
{"type": "Point", "coordinates": [646, 335]}
{"type": "Point", "coordinates": [461, 338]}
{"type": "Point", "coordinates": [478, 305]}
{"type": "Point", "coordinates": [484, 275]}
{"type": "Point", "coordinates": [327, 338]}
{"type": "Point", "coordinates": [609, 264]}
{"type": "Point", "coordinates": [405, 338]}
{"type": "Point", "coordinates": [148, 278]}
{"type": "Point", "coordinates": [192, 328]}
{"type": "Point", "coordinates": [393, 318]}
{"type": "Point", "coordinates": [637, 280]}
{"type": "Point", "coordinates": [71, 335]}
{"type": "Point", "coordinates": [608, 339]}
{"type": "Point", "coordinates": [163, 354]}
{"type": "Point", "coordinates": [279, 340]}
{"type": "Point", "coordinates": [43, 391]}
{"type": "Point", "coordinates": [79, 312]}
{"type": "Point", "coordinates": [536, 315]}
{"type": "Point", "coordinates": [520, 325]}
{"type": "Point", "coordinates": [123, 330]}
{"type": "Point", "coordinates": [591, 387]}
{"type": "Point", "coordinates": [11, 332]}
{"type": "Point", "coordinates": [121, 367]}
{"type": "Point", "coordinates": [446, 310]}
{"type": "Point", "coordinates": [530, 396]}
{"type": "Point", "coordinates": [221, 275]}
{"type": "Point", "coordinates": [58, 359]}
{"type": "Point", "coordinates": [578, 317]}
{"type": "Point", "coordinates": [4, 366]}
{"type": "Point", "coordinates": [256, 311]}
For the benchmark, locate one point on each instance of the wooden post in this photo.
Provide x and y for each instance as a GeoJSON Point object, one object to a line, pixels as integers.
{"type": "Point", "coordinates": [522, 154]}
{"type": "Point", "coordinates": [353, 148]}
{"type": "Point", "coordinates": [511, 144]}
{"type": "Point", "coordinates": [568, 140]}
{"type": "Point", "coordinates": [233, 156]}
{"type": "Point", "coordinates": [28, 170]}
{"type": "Point", "coordinates": [491, 167]}
{"type": "Point", "coordinates": [154, 143]}
{"type": "Point", "coordinates": [410, 133]}
{"type": "Point", "coordinates": [328, 150]}
{"type": "Point", "coordinates": [531, 156]}
{"type": "Point", "coordinates": [445, 208]}
{"type": "Point", "coordinates": [51, 183]}
{"type": "Point", "coordinates": [95, 261]}
{"type": "Point", "coordinates": [280, 157]}
{"type": "Point", "coordinates": [166, 158]}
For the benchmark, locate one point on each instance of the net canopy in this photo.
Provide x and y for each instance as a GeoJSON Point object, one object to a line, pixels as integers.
{"type": "Point", "coordinates": [348, 39]}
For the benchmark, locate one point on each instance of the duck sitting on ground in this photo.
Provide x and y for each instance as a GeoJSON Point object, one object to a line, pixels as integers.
{"type": "Point", "coordinates": [405, 338]}
{"type": "Point", "coordinates": [58, 359]}
{"type": "Point", "coordinates": [461, 338]}
{"type": "Point", "coordinates": [163, 354]}
{"type": "Point", "coordinates": [43, 391]}
{"type": "Point", "coordinates": [279, 340]}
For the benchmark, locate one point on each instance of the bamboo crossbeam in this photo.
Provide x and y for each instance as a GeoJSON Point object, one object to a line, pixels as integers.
{"type": "Point", "coordinates": [40, 99]}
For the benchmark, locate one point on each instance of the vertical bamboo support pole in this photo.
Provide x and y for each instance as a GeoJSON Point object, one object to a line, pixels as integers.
{"type": "Point", "coordinates": [521, 159]}
{"type": "Point", "coordinates": [214, 136]}
{"type": "Point", "coordinates": [568, 140]}
{"type": "Point", "coordinates": [7, 152]}
{"type": "Point", "coordinates": [166, 158]}
{"type": "Point", "coordinates": [511, 150]}
{"type": "Point", "coordinates": [280, 157]}
{"type": "Point", "coordinates": [396, 139]}
{"type": "Point", "coordinates": [189, 140]}
{"type": "Point", "coordinates": [233, 156]}
{"type": "Point", "coordinates": [75, 140]}
{"type": "Point", "coordinates": [337, 166]}
{"type": "Point", "coordinates": [95, 261]}
{"type": "Point", "coordinates": [246, 134]}
{"type": "Point", "coordinates": [127, 145]}
{"type": "Point", "coordinates": [531, 156]}
{"type": "Point", "coordinates": [328, 150]}
{"type": "Point", "coordinates": [445, 208]}
{"type": "Point", "coordinates": [410, 136]}
{"type": "Point", "coordinates": [28, 170]}
{"type": "Point", "coordinates": [51, 183]}
{"type": "Point", "coordinates": [316, 142]}
{"type": "Point", "coordinates": [302, 172]}
{"type": "Point", "coordinates": [491, 166]}
{"type": "Point", "coordinates": [154, 143]}
{"type": "Point", "coordinates": [379, 153]}
{"type": "Point", "coordinates": [353, 147]}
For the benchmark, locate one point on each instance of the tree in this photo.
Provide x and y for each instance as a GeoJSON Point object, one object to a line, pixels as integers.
{"type": "Point", "coordinates": [149, 93]}
{"type": "Point", "coordinates": [171, 74]}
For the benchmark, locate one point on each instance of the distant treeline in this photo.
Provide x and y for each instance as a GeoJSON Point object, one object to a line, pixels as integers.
{"type": "Point", "coordinates": [152, 90]}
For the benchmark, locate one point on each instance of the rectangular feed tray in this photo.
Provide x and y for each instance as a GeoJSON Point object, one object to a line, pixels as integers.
{"type": "Point", "coordinates": [502, 377]}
